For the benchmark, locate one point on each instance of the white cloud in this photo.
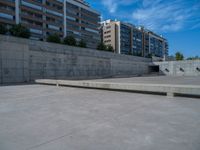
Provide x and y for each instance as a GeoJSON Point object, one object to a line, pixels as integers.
{"type": "Point", "coordinates": [113, 5]}
{"type": "Point", "coordinates": [163, 16]}
{"type": "Point", "coordinates": [158, 15]}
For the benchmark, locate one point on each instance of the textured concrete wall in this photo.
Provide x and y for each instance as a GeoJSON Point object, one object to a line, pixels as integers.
{"type": "Point", "coordinates": [14, 62]}
{"type": "Point", "coordinates": [180, 68]}
{"type": "Point", "coordinates": [24, 60]}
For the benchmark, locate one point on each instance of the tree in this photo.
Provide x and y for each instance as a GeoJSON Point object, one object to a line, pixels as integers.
{"type": "Point", "coordinates": [193, 58]}
{"type": "Point", "coordinates": [70, 40]}
{"type": "Point", "coordinates": [179, 56]}
{"type": "Point", "coordinates": [149, 56]}
{"type": "Point", "coordinates": [82, 43]}
{"type": "Point", "coordinates": [130, 53]}
{"type": "Point", "coordinates": [54, 38]}
{"type": "Point", "coordinates": [101, 46]}
{"type": "Point", "coordinates": [3, 29]}
{"type": "Point", "coordinates": [110, 48]}
{"type": "Point", "coordinates": [135, 53]}
{"type": "Point", "coordinates": [139, 53]}
{"type": "Point", "coordinates": [20, 31]}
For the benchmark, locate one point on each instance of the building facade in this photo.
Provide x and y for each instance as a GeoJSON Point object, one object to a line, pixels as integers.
{"type": "Point", "coordinates": [44, 17]}
{"type": "Point", "coordinates": [155, 45]}
{"type": "Point", "coordinates": [109, 34]}
{"type": "Point", "coordinates": [131, 40]}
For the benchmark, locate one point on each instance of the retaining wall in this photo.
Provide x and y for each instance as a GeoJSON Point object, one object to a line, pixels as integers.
{"type": "Point", "coordinates": [23, 60]}
{"type": "Point", "coordinates": [179, 68]}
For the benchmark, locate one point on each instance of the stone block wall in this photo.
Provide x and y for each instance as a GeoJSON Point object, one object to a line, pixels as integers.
{"type": "Point", "coordinates": [23, 60]}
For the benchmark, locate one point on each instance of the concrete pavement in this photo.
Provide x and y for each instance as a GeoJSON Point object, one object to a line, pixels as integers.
{"type": "Point", "coordinates": [40, 117]}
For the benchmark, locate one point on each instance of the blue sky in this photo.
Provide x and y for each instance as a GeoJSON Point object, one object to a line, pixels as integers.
{"type": "Point", "coordinates": [176, 20]}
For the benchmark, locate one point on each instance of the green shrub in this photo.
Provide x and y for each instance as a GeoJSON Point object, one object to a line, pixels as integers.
{"type": "Point", "coordinates": [130, 53]}
{"type": "Point", "coordinates": [110, 48]}
{"type": "Point", "coordinates": [193, 58]}
{"type": "Point", "coordinates": [149, 56]}
{"type": "Point", "coordinates": [20, 31]}
{"type": "Point", "coordinates": [138, 54]}
{"type": "Point", "coordinates": [3, 29]}
{"type": "Point", "coordinates": [82, 43]}
{"type": "Point", "coordinates": [54, 38]}
{"type": "Point", "coordinates": [70, 40]}
{"type": "Point", "coordinates": [101, 46]}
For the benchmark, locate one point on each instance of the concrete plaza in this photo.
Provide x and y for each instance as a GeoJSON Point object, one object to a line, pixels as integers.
{"type": "Point", "coordinates": [41, 117]}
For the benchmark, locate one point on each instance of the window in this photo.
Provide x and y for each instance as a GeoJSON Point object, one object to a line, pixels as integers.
{"type": "Point", "coordinates": [54, 13]}
{"type": "Point", "coordinates": [6, 16]}
{"type": "Point", "coordinates": [31, 5]}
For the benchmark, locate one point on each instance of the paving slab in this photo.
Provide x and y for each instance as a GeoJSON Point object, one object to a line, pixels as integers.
{"type": "Point", "coordinates": [41, 117]}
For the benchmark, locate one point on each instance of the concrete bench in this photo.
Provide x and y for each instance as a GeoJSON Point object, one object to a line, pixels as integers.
{"type": "Point", "coordinates": [168, 89]}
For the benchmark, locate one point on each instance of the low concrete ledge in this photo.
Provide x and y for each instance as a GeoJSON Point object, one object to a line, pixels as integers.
{"type": "Point", "coordinates": [168, 89]}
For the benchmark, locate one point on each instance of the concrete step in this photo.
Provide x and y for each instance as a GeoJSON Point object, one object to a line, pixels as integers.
{"type": "Point", "coordinates": [168, 89]}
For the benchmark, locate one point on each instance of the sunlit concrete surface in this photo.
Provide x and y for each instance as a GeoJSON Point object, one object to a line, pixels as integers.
{"type": "Point", "coordinates": [170, 86]}
{"type": "Point", "coordinates": [179, 80]}
{"type": "Point", "coordinates": [40, 117]}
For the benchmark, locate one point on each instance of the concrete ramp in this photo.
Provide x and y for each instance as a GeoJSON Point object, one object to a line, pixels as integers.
{"type": "Point", "coordinates": [168, 89]}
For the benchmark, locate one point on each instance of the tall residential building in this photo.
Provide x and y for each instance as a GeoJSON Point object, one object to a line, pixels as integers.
{"type": "Point", "coordinates": [45, 17]}
{"type": "Point", "coordinates": [154, 44]}
{"type": "Point", "coordinates": [129, 39]}
{"type": "Point", "coordinates": [109, 34]}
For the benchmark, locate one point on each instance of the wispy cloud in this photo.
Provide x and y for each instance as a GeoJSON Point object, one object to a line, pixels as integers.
{"type": "Point", "coordinates": [113, 5]}
{"type": "Point", "coordinates": [170, 16]}
{"type": "Point", "coordinates": [159, 15]}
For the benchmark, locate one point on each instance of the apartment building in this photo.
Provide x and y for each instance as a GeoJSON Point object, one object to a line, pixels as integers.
{"type": "Point", "coordinates": [82, 22]}
{"type": "Point", "coordinates": [131, 40]}
{"type": "Point", "coordinates": [109, 34]}
{"type": "Point", "coordinates": [125, 37]}
{"type": "Point", "coordinates": [7, 12]}
{"type": "Point", "coordinates": [137, 41]}
{"type": "Point", "coordinates": [45, 17]}
{"type": "Point", "coordinates": [154, 44]}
